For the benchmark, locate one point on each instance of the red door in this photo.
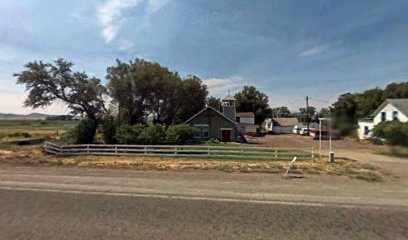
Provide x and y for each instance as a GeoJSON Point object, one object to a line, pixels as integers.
{"type": "Point", "coordinates": [226, 135]}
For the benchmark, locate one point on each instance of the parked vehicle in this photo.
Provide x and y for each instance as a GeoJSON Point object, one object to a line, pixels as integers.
{"type": "Point", "coordinates": [296, 129]}
{"type": "Point", "coordinates": [304, 131]}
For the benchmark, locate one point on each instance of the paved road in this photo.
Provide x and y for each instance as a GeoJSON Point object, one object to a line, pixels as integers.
{"type": "Point", "coordinates": [75, 203]}
{"type": "Point", "coordinates": [56, 215]}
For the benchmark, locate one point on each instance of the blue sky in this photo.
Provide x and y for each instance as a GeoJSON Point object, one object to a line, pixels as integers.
{"type": "Point", "coordinates": [287, 49]}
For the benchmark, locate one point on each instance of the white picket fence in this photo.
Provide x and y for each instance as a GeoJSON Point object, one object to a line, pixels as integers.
{"type": "Point", "coordinates": [240, 151]}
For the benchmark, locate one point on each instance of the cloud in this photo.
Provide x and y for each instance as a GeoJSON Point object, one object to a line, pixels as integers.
{"type": "Point", "coordinates": [319, 49]}
{"type": "Point", "coordinates": [110, 15]}
{"type": "Point", "coordinates": [315, 50]}
{"type": "Point", "coordinates": [154, 5]}
{"type": "Point", "coordinates": [221, 86]}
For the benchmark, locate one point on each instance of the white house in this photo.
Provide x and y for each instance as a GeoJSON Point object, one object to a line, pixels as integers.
{"type": "Point", "coordinates": [246, 122]}
{"type": "Point", "coordinates": [279, 125]}
{"type": "Point", "coordinates": [389, 110]}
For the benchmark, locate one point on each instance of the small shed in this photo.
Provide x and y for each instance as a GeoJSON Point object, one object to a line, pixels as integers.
{"type": "Point", "coordinates": [283, 125]}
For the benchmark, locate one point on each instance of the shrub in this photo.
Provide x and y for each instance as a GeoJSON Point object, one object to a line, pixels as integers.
{"type": "Point", "coordinates": [394, 133]}
{"type": "Point", "coordinates": [108, 128]}
{"type": "Point", "coordinates": [19, 134]}
{"type": "Point", "coordinates": [84, 132]}
{"type": "Point", "coordinates": [152, 134]}
{"type": "Point", "coordinates": [179, 134]}
{"type": "Point", "coordinates": [127, 134]}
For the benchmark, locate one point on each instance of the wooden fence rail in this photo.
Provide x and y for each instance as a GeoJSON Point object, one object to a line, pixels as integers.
{"type": "Point", "coordinates": [203, 151]}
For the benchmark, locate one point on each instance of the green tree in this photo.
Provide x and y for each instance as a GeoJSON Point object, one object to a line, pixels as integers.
{"type": "Point", "coordinates": [192, 98]}
{"type": "Point", "coordinates": [252, 100]}
{"type": "Point", "coordinates": [280, 112]}
{"type": "Point", "coordinates": [324, 113]}
{"type": "Point", "coordinates": [50, 82]}
{"type": "Point", "coordinates": [215, 103]}
{"type": "Point", "coordinates": [141, 89]}
{"type": "Point", "coordinates": [311, 111]}
{"type": "Point", "coordinates": [394, 132]}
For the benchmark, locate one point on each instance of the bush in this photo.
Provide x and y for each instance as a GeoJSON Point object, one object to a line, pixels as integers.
{"type": "Point", "coordinates": [394, 133]}
{"type": "Point", "coordinates": [19, 134]}
{"type": "Point", "coordinates": [108, 128]}
{"type": "Point", "coordinates": [84, 132]}
{"type": "Point", "coordinates": [152, 134]}
{"type": "Point", "coordinates": [179, 134]}
{"type": "Point", "coordinates": [127, 134]}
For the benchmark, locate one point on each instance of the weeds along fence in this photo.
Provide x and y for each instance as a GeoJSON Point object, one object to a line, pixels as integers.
{"type": "Point", "coordinates": [198, 151]}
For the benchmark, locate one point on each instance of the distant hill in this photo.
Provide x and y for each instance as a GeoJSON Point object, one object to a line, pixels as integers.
{"type": "Point", "coordinates": [31, 116]}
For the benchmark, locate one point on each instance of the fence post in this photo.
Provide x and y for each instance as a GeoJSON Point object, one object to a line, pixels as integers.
{"type": "Point", "coordinates": [87, 148]}
{"type": "Point", "coordinates": [116, 149]}
{"type": "Point", "coordinates": [145, 150]}
{"type": "Point", "coordinates": [276, 154]}
{"type": "Point", "coordinates": [175, 150]}
{"type": "Point", "coordinates": [242, 152]}
{"type": "Point", "coordinates": [208, 150]}
{"type": "Point", "coordinates": [313, 154]}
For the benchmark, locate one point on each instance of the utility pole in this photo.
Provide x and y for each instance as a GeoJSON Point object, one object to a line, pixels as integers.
{"type": "Point", "coordinates": [307, 116]}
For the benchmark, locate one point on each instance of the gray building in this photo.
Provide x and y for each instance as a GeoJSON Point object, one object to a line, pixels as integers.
{"type": "Point", "coordinates": [211, 124]}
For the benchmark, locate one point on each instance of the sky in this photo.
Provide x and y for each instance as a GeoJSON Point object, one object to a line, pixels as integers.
{"type": "Point", "coordinates": [287, 49]}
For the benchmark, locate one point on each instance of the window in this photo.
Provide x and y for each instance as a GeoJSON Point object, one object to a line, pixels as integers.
{"type": "Point", "coordinates": [202, 131]}
{"type": "Point", "coordinates": [383, 116]}
{"type": "Point", "coordinates": [197, 134]}
{"type": "Point", "coordinates": [395, 115]}
{"type": "Point", "coordinates": [366, 130]}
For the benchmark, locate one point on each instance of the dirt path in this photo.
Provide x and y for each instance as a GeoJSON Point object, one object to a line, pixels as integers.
{"type": "Point", "coordinates": [362, 152]}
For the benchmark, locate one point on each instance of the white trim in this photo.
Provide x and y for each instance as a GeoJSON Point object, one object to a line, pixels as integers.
{"type": "Point", "coordinates": [208, 107]}
{"type": "Point", "coordinates": [227, 129]}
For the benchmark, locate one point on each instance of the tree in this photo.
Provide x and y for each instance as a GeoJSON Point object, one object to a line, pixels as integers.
{"type": "Point", "coordinates": [280, 112]}
{"type": "Point", "coordinates": [50, 82]}
{"type": "Point", "coordinates": [141, 89]}
{"type": "Point", "coordinates": [252, 100]}
{"type": "Point", "coordinates": [311, 111]}
{"type": "Point", "coordinates": [47, 83]}
{"type": "Point", "coordinates": [192, 98]}
{"type": "Point", "coordinates": [394, 132]}
{"type": "Point", "coordinates": [324, 113]}
{"type": "Point", "coordinates": [215, 103]}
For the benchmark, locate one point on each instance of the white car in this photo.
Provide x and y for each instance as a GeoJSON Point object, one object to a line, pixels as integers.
{"type": "Point", "coordinates": [304, 131]}
{"type": "Point", "coordinates": [296, 129]}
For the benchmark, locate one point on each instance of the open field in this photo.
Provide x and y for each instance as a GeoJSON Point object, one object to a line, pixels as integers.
{"type": "Point", "coordinates": [12, 129]}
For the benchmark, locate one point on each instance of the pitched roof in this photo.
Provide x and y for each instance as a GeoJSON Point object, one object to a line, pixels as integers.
{"type": "Point", "coordinates": [229, 98]}
{"type": "Point", "coordinates": [401, 104]}
{"type": "Point", "coordinates": [286, 121]}
{"type": "Point", "coordinates": [245, 114]}
{"type": "Point", "coordinates": [212, 109]}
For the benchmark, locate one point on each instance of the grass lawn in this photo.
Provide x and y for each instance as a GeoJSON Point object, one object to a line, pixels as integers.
{"type": "Point", "coordinates": [12, 129]}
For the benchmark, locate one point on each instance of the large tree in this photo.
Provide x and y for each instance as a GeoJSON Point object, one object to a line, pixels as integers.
{"type": "Point", "coordinates": [350, 107]}
{"type": "Point", "coordinates": [192, 98]}
{"type": "Point", "coordinates": [280, 112]}
{"type": "Point", "coordinates": [252, 100]}
{"type": "Point", "coordinates": [141, 89]}
{"type": "Point", "coordinates": [50, 82]}
{"type": "Point", "coordinates": [215, 103]}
